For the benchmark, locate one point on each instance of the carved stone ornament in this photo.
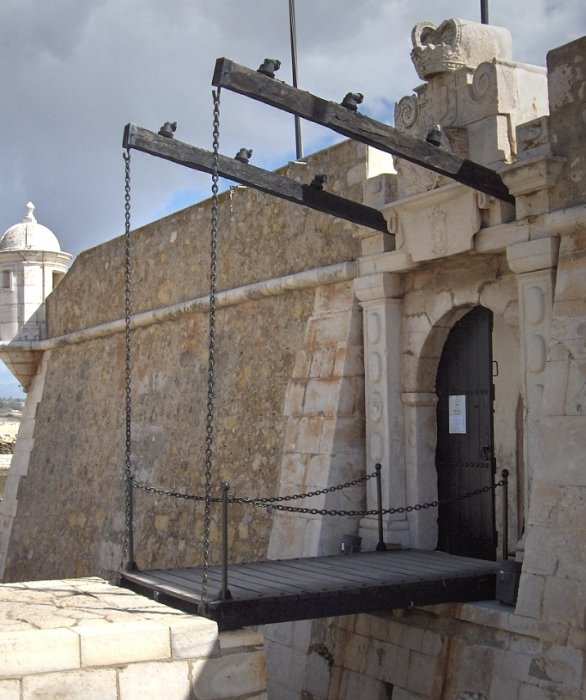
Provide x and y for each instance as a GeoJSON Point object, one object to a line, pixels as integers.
{"type": "Point", "coordinates": [456, 44]}
{"type": "Point", "coordinates": [436, 224]}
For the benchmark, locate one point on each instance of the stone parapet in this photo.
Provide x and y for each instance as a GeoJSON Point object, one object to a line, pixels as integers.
{"type": "Point", "coordinates": [84, 638]}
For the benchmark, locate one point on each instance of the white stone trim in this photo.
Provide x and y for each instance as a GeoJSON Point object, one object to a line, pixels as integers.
{"type": "Point", "coordinates": [308, 279]}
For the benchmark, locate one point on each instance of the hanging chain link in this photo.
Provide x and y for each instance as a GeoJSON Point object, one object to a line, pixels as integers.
{"type": "Point", "coordinates": [212, 346]}
{"type": "Point", "coordinates": [275, 503]}
{"type": "Point", "coordinates": [128, 546]}
{"type": "Point", "coordinates": [252, 501]}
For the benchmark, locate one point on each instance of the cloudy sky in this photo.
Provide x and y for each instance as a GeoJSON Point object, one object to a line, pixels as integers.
{"type": "Point", "coordinates": [74, 72]}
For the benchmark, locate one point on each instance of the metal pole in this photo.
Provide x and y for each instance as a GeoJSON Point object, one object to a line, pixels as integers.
{"type": "Point", "coordinates": [224, 591]}
{"type": "Point", "coordinates": [293, 32]}
{"type": "Point", "coordinates": [381, 546]}
{"type": "Point", "coordinates": [505, 477]}
{"type": "Point", "coordinates": [484, 11]}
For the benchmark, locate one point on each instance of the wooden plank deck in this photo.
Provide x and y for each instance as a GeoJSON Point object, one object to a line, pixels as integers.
{"type": "Point", "coordinates": [298, 589]}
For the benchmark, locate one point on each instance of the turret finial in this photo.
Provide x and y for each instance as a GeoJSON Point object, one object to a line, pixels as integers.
{"type": "Point", "coordinates": [30, 217]}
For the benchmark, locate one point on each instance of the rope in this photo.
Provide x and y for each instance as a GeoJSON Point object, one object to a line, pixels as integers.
{"type": "Point", "coordinates": [211, 348]}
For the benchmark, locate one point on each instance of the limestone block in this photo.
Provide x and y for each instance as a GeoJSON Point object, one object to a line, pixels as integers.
{"type": "Point", "coordinates": [123, 642]}
{"type": "Point", "coordinates": [240, 639]}
{"type": "Point", "coordinates": [322, 361]}
{"type": "Point", "coordinates": [490, 140]}
{"type": "Point", "coordinates": [303, 359]}
{"type": "Point", "coordinates": [540, 254]}
{"type": "Point", "coordinates": [529, 691]}
{"type": "Point", "coordinates": [351, 650]}
{"type": "Point", "coordinates": [388, 662]}
{"type": "Point", "coordinates": [348, 361]}
{"type": "Point", "coordinates": [374, 626]}
{"type": "Point", "coordinates": [566, 82]}
{"type": "Point", "coordinates": [194, 637]}
{"type": "Point", "coordinates": [564, 601]}
{"type": "Point", "coordinates": [294, 398]}
{"type": "Point", "coordinates": [564, 666]}
{"type": "Point", "coordinates": [293, 471]}
{"type": "Point", "coordinates": [309, 436]}
{"type": "Point", "coordinates": [155, 680]}
{"type": "Point", "coordinates": [542, 551]}
{"type": "Point", "coordinates": [344, 434]}
{"type": "Point", "coordinates": [322, 397]}
{"type": "Point", "coordinates": [38, 651]}
{"type": "Point", "coordinates": [411, 637]}
{"type": "Point", "coordinates": [425, 674]}
{"type": "Point", "coordinates": [94, 684]}
{"type": "Point", "coordinates": [317, 676]}
{"type": "Point", "coordinates": [10, 690]}
{"type": "Point", "coordinates": [562, 441]}
{"type": "Point", "coordinates": [501, 687]}
{"type": "Point", "coordinates": [232, 676]}
{"type": "Point", "coordinates": [380, 189]}
{"type": "Point", "coordinates": [529, 181]}
{"type": "Point", "coordinates": [334, 297]}
{"type": "Point", "coordinates": [348, 685]}
{"type": "Point", "coordinates": [292, 428]}
{"type": "Point", "coordinates": [332, 328]}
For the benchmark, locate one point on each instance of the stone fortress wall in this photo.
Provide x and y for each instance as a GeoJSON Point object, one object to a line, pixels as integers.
{"type": "Point", "coordinates": [347, 379]}
{"type": "Point", "coordinates": [75, 456]}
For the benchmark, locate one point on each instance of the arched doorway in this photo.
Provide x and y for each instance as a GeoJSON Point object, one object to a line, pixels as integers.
{"type": "Point", "coordinates": [465, 450]}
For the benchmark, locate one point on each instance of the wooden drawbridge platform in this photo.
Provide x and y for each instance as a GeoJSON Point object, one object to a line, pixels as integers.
{"type": "Point", "coordinates": [298, 589]}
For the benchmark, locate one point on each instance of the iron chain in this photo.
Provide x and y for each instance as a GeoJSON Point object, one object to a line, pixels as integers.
{"type": "Point", "coordinates": [275, 503]}
{"type": "Point", "coordinates": [250, 501]}
{"type": "Point", "coordinates": [212, 344]}
{"type": "Point", "coordinates": [129, 477]}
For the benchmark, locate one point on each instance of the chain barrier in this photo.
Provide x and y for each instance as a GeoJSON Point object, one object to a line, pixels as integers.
{"type": "Point", "coordinates": [252, 501]}
{"type": "Point", "coordinates": [275, 503]}
{"type": "Point", "coordinates": [212, 344]}
{"type": "Point", "coordinates": [128, 545]}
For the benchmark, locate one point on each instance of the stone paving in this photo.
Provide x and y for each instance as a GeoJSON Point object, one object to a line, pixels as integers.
{"type": "Point", "coordinates": [84, 638]}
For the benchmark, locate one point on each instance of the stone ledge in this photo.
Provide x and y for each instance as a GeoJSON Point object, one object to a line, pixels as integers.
{"type": "Point", "coordinates": [86, 639]}
{"type": "Point", "coordinates": [500, 617]}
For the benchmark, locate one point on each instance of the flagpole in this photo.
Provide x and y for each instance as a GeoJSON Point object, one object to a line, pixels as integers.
{"type": "Point", "coordinates": [484, 11]}
{"type": "Point", "coordinates": [293, 32]}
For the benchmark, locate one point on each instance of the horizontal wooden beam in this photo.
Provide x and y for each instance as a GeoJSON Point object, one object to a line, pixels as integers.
{"type": "Point", "coordinates": [359, 127]}
{"type": "Point", "coordinates": [195, 158]}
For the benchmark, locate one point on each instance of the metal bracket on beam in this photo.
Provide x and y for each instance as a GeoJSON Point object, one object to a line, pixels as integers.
{"type": "Point", "coordinates": [359, 127]}
{"type": "Point", "coordinates": [140, 139]}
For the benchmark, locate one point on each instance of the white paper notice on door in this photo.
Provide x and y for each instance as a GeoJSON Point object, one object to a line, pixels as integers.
{"type": "Point", "coordinates": [457, 413]}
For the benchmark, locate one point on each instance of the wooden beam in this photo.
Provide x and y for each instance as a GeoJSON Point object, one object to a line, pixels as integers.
{"type": "Point", "coordinates": [359, 127]}
{"type": "Point", "coordinates": [195, 158]}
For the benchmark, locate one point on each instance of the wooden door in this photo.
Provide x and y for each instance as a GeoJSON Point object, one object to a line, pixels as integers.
{"type": "Point", "coordinates": [464, 453]}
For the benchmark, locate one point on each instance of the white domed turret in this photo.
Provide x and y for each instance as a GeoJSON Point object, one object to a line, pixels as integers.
{"type": "Point", "coordinates": [29, 235]}
{"type": "Point", "coordinates": [31, 264]}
